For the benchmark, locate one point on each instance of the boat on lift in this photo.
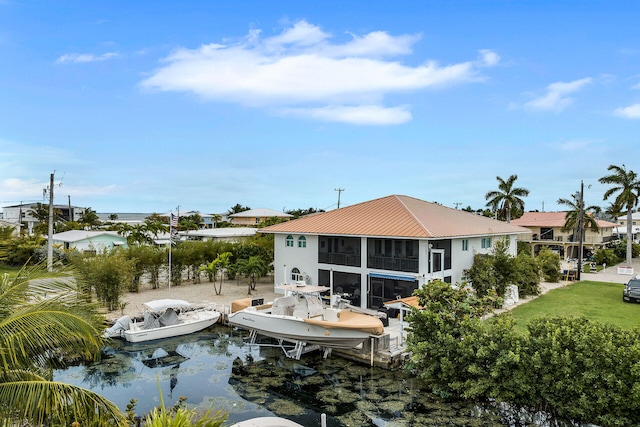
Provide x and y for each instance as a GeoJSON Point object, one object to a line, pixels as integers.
{"type": "Point", "coordinates": [300, 317]}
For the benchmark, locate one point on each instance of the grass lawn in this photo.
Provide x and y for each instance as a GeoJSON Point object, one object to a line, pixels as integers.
{"type": "Point", "coordinates": [9, 270]}
{"type": "Point", "coordinates": [598, 301]}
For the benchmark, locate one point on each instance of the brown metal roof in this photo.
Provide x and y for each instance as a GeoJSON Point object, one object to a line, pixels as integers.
{"type": "Point", "coordinates": [396, 216]}
{"type": "Point", "coordinates": [550, 219]}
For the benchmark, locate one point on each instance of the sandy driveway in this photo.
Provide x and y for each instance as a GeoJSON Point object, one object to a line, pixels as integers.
{"type": "Point", "coordinates": [203, 294]}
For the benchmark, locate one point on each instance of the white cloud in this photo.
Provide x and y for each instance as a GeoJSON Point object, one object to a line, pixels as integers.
{"type": "Point", "coordinates": [302, 69]}
{"type": "Point", "coordinates": [556, 97]}
{"type": "Point", "coordinates": [359, 115]}
{"type": "Point", "coordinates": [578, 144]}
{"type": "Point", "coordinates": [630, 112]}
{"type": "Point", "coordinates": [84, 57]}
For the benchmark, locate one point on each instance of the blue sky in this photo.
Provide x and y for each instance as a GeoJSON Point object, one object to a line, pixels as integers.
{"type": "Point", "coordinates": [145, 106]}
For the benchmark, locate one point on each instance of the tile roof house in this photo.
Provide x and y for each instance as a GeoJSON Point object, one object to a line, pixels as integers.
{"type": "Point", "coordinates": [546, 230]}
{"type": "Point", "coordinates": [385, 248]}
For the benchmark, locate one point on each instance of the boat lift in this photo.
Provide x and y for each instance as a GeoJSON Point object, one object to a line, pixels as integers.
{"type": "Point", "coordinates": [292, 349]}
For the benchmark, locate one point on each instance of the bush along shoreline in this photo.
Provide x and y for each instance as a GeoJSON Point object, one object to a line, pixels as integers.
{"type": "Point", "coordinates": [571, 368]}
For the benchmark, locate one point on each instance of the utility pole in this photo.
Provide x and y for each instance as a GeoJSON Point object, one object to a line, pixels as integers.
{"type": "Point", "coordinates": [50, 231]}
{"type": "Point", "coordinates": [580, 229]}
{"type": "Point", "coordinates": [339, 190]}
{"type": "Point", "coordinates": [457, 204]}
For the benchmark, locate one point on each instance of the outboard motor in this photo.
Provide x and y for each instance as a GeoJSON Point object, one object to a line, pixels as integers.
{"type": "Point", "coordinates": [121, 325]}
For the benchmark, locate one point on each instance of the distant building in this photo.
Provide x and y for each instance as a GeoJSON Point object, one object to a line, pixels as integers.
{"type": "Point", "coordinates": [621, 229]}
{"type": "Point", "coordinates": [231, 234]}
{"type": "Point", "coordinates": [89, 241]}
{"type": "Point", "coordinates": [253, 217]}
{"type": "Point", "coordinates": [21, 214]}
{"type": "Point", "coordinates": [546, 230]}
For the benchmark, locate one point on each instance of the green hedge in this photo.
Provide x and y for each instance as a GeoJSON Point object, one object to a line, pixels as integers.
{"type": "Point", "coordinates": [569, 367]}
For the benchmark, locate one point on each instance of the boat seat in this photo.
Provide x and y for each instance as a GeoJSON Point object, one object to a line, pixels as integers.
{"type": "Point", "coordinates": [150, 321]}
{"type": "Point", "coordinates": [284, 305]}
{"type": "Point", "coordinates": [308, 308]}
{"type": "Point", "coordinates": [169, 317]}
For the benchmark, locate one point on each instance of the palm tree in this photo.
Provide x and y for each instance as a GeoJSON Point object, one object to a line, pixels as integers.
{"type": "Point", "coordinates": [90, 218]}
{"type": "Point", "coordinates": [506, 201]}
{"type": "Point", "coordinates": [251, 267]}
{"type": "Point", "coordinates": [42, 320]}
{"type": "Point", "coordinates": [572, 218]}
{"type": "Point", "coordinates": [627, 185]}
{"type": "Point", "coordinates": [218, 265]}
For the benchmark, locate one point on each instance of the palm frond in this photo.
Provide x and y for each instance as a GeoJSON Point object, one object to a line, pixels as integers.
{"type": "Point", "coordinates": [54, 403]}
{"type": "Point", "coordinates": [35, 334]}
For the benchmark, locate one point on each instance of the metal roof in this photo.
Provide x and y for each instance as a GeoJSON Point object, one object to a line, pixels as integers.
{"type": "Point", "coordinates": [551, 219]}
{"type": "Point", "coordinates": [397, 216]}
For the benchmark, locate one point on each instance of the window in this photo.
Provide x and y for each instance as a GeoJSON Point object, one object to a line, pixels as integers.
{"type": "Point", "coordinates": [486, 242]}
{"type": "Point", "coordinates": [295, 275]}
{"type": "Point", "coordinates": [289, 241]}
{"type": "Point", "coordinates": [302, 242]}
{"type": "Point", "coordinates": [465, 244]}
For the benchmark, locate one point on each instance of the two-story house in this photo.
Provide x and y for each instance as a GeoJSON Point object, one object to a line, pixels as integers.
{"type": "Point", "coordinates": [384, 249]}
{"type": "Point", "coordinates": [546, 230]}
{"type": "Point", "coordinates": [621, 230]}
{"type": "Point", "coordinates": [23, 214]}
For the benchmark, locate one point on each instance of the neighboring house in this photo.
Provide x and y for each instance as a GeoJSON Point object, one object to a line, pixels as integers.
{"type": "Point", "coordinates": [89, 241]}
{"type": "Point", "coordinates": [385, 248]}
{"type": "Point", "coordinates": [206, 220]}
{"type": "Point", "coordinates": [546, 230]}
{"type": "Point", "coordinates": [231, 234]}
{"type": "Point", "coordinates": [621, 229]}
{"type": "Point", "coordinates": [21, 214]}
{"type": "Point", "coordinates": [256, 216]}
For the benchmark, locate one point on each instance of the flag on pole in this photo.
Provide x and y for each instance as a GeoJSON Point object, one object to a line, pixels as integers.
{"type": "Point", "coordinates": [174, 220]}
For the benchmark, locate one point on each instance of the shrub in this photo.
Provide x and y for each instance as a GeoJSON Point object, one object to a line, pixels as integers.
{"type": "Point", "coordinates": [605, 256]}
{"type": "Point", "coordinates": [569, 367]}
{"type": "Point", "coordinates": [527, 275]}
{"type": "Point", "coordinates": [549, 263]}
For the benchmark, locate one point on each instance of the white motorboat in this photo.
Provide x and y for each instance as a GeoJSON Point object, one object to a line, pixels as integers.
{"type": "Point", "coordinates": [163, 319]}
{"type": "Point", "coordinates": [300, 316]}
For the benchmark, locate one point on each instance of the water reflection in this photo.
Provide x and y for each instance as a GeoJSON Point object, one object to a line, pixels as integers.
{"type": "Point", "coordinates": [216, 370]}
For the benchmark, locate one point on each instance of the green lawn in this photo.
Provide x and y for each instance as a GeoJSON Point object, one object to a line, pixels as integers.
{"type": "Point", "coordinates": [12, 271]}
{"type": "Point", "coordinates": [594, 300]}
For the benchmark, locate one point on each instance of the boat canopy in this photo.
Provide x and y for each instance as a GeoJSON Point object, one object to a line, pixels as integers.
{"type": "Point", "coordinates": [163, 304]}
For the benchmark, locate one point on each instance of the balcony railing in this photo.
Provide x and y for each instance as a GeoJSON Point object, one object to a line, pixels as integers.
{"type": "Point", "coordinates": [351, 260]}
{"type": "Point", "coordinates": [409, 265]}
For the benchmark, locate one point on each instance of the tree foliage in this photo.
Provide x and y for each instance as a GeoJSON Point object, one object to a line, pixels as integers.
{"type": "Point", "coordinates": [568, 367]}
{"type": "Point", "coordinates": [626, 184]}
{"type": "Point", "coordinates": [43, 318]}
{"type": "Point", "coordinates": [506, 202]}
{"type": "Point", "coordinates": [492, 273]}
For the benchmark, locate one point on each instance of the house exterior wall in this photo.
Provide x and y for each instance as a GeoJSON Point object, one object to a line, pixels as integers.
{"type": "Point", "coordinates": [590, 237]}
{"type": "Point", "coordinates": [246, 221]}
{"type": "Point", "coordinates": [97, 243]}
{"type": "Point", "coordinates": [305, 259]}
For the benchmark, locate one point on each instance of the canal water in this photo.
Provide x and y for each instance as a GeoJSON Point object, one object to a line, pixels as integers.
{"type": "Point", "coordinates": [216, 369]}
